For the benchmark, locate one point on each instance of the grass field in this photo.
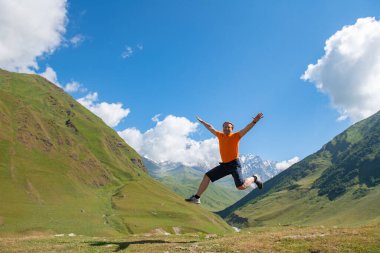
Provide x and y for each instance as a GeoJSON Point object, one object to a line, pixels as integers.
{"type": "Point", "coordinates": [265, 239]}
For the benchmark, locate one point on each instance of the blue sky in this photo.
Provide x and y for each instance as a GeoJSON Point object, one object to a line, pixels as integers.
{"type": "Point", "coordinates": [220, 60]}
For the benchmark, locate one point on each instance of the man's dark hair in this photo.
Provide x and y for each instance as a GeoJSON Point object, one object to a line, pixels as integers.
{"type": "Point", "coordinates": [227, 122]}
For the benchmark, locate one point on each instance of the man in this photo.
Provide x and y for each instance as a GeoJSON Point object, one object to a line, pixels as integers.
{"type": "Point", "coordinates": [229, 152]}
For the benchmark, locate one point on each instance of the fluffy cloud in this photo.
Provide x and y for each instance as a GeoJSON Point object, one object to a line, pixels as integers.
{"type": "Point", "coordinates": [77, 40]}
{"type": "Point", "coordinates": [28, 30]}
{"type": "Point", "coordinates": [51, 75]}
{"type": "Point", "coordinates": [110, 113]}
{"type": "Point", "coordinates": [349, 72]}
{"type": "Point", "coordinates": [170, 140]}
{"type": "Point", "coordinates": [286, 164]}
{"type": "Point", "coordinates": [74, 87]}
{"type": "Point", "coordinates": [134, 138]}
{"type": "Point", "coordinates": [32, 29]}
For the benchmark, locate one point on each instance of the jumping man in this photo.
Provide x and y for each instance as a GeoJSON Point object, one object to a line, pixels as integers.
{"type": "Point", "coordinates": [229, 152]}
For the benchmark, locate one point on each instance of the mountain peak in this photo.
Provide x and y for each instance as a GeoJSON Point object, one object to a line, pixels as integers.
{"type": "Point", "coordinates": [71, 173]}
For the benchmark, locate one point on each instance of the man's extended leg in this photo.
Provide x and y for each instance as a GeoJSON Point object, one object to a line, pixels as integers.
{"type": "Point", "coordinates": [212, 175]}
{"type": "Point", "coordinates": [201, 189]}
{"type": "Point", "coordinates": [203, 185]}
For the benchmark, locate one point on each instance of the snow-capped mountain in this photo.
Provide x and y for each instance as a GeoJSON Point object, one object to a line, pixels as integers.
{"type": "Point", "coordinates": [184, 179]}
{"type": "Point", "coordinates": [251, 165]}
{"type": "Point", "coordinates": [254, 165]}
{"type": "Point", "coordinates": [167, 168]}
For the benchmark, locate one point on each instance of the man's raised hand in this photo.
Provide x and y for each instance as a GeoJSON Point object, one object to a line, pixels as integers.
{"type": "Point", "coordinates": [258, 117]}
{"type": "Point", "coordinates": [207, 125]}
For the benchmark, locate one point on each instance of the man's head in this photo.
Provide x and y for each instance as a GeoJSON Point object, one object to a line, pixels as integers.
{"type": "Point", "coordinates": [228, 127]}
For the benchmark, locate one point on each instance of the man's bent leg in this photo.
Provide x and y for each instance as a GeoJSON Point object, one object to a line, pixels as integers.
{"type": "Point", "coordinates": [247, 183]}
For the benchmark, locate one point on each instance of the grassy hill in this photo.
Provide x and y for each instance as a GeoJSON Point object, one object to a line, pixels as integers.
{"type": "Point", "coordinates": [62, 170]}
{"type": "Point", "coordinates": [338, 185]}
{"type": "Point", "coordinates": [184, 180]}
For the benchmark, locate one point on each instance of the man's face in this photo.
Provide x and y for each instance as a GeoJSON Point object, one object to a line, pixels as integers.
{"type": "Point", "coordinates": [227, 128]}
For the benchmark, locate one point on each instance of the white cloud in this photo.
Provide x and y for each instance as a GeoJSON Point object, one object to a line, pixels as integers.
{"type": "Point", "coordinates": [110, 113]}
{"type": "Point", "coordinates": [286, 164]}
{"type": "Point", "coordinates": [32, 29]}
{"type": "Point", "coordinates": [349, 72]}
{"type": "Point", "coordinates": [133, 137]}
{"type": "Point", "coordinates": [127, 52]}
{"type": "Point", "coordinates": [50, 75]}
{"type": "Point", "coordinates": [28, 30]}
{"type": "Point", "coordinates": [88, 100]}
{"type": "Point", "coordinates": [170, 140]}
{"type": "Point", "coordinates": [77, 40]}
{"type": "Point", "coordinates": [156, 118]}
{"type": "Point", "coordinates": [73, 87]}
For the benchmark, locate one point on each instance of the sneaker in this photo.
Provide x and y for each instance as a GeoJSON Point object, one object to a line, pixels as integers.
{"type": "Point", "coordinates": [258, 182]}
{"type": "Point", "coordinates": [194, 200]}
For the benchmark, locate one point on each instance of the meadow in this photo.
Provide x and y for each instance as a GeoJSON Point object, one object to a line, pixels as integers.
{"type": "Point", "coordinates": [265, 239]}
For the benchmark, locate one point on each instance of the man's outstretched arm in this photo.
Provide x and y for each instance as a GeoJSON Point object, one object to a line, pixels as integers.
{"type": "Point", "coordinates": [208, 126]}
{"type": "Point", "coordinates": [250, 125]}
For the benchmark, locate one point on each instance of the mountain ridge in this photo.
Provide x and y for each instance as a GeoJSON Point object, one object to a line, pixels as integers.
{"type": "Point", "coordinates": [63, 170]}
{"type": "Point", "coordinates": [342, 177]}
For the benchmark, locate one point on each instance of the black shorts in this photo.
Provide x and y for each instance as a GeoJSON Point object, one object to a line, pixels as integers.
{"type": "Point", "coordinates": [223, 169]}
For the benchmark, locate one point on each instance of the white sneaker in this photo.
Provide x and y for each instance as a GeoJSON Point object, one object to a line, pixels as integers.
{"type": "Point", "coordinates": [194, 200]}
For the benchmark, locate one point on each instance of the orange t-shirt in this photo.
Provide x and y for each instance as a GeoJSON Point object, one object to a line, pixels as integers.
{"type": "Point", "coordinates": [228, 146]}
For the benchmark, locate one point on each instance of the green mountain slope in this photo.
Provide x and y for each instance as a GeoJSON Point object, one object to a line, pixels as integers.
{"type": "Point", "coordinates": [62, 170]}
{"type": "Point", "coordinates": [338, 185]}
{"type": "Point", "coordinates": [185, 180]}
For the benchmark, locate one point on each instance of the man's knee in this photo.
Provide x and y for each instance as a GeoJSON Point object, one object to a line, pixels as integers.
{"type": "Point", "coordinates": [205, 177]}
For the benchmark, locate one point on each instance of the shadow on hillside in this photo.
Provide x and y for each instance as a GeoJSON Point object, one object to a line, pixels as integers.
{"type": "Point", "coordinates": [124, 245]}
